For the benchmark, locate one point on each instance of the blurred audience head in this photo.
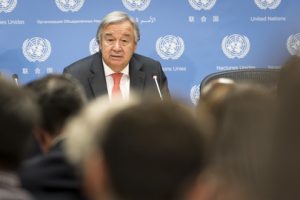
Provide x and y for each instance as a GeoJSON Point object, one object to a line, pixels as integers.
{"type": "Point", "coordinates": [241, 147]}
{"type": "Point", "coordinates": [19, 116]}
{"type": "Point", "coordinates": [286, 161]}
{"type": "Point", "coordinates": [288, 91]}
{"type": "Point", "coordinates": [215, 91]}
{"type": "Point", "coordinates": [137, 150]}
{"type": "Point", "coordinates": [59, 97]}
{"type": "Point", "coordinates": [211, 97]}
{"type": "Point", "coordinates": [289, 80]}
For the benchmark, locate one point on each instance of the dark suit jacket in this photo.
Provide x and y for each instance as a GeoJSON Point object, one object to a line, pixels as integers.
{"type": "Point", "coordinates": [51, 177]}
{"type": "Point", "coordinates": [90, 73]}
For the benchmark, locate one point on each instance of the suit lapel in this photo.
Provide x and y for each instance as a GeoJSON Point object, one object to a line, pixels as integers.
{"type": "Point", "coordinates": [97, 77]}
{"type": "Point", "coordinates": [137, 77]}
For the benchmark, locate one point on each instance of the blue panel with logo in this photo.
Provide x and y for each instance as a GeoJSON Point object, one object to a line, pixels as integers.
{"type": "Point", "coordinates": [191, 38]}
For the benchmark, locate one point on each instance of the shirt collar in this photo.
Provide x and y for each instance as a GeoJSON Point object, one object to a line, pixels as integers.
{"type": "Point", "coordinates": [108, 71]}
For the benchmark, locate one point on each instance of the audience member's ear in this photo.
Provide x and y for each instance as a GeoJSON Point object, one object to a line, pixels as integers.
{"type": "Point", "coordinates": [212, 187]}
{"type": "Point", "coordinates": [205, 188]}
{"type": "Point", "coordinates": [95, 176]}
{"type": "Point", "coordinates": [44, 139]}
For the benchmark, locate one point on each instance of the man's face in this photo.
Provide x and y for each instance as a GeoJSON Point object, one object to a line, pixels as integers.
{"type": "Point", "coordinates": [117, 45]}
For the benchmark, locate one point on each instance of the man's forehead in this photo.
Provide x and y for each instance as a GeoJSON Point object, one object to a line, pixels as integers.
{"type": "Point", "coordinates": [109, 33]}
{"type": "Point", "coordinates": [119, 25]}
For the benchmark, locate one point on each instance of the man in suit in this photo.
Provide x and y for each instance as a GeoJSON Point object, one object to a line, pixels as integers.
{"type": "Point", "coordinates": [49, 175]}
{"type": "Point", "coordinates": [116, 70]}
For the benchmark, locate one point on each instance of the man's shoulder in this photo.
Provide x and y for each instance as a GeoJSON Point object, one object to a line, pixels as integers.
{"type": "Point", "coordinates": [81, 65]}
{"type": "Point", "coordinates": [12, 193]}
{"type": "Point", "coordinates": [42, 163]}
{"type": "Point", "coordinates": [37, 171]}
{"type": "Point", "coordinates": [10, 189]}
{"type": "Point", "coordinates": [145, 59]}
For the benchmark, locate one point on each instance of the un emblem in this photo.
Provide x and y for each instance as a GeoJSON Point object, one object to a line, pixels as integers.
{"type": "Point", "coordinates": [69, 5]}
{"type": "Point", "coordinates": [202, 4]}
{"type": "Point", "coordinates": [293, 44]}
{"type": "Point", "coordinates": [7, 5]}
{"type": "Point", "coordinates": [170, 47]}
{"type": "Point", "coordinates": [195, 94]}
{"type": "Point", "coordinates": [36, 49]}
{"type": "Point", "coordinates": [133, 5]}
{"type": "Point", "coordinates": [94, 47]}
{"type": "Point", "coordinates": [270, 4]}
{"type": "Point", "coordinates": [235, 46]}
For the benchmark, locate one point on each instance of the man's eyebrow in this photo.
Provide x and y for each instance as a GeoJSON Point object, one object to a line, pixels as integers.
{"type": "Point", "coordinates": [108, 34]}
{"type": "Point", "coordinates": [111, 35]}
{"type": "Point", "coordinates": [127, 35]}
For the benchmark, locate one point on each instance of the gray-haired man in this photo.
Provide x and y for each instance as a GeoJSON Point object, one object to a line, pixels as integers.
{"type": "Point", "coordinates": [116, 70]}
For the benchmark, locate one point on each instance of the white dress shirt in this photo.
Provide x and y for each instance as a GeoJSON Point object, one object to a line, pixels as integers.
{"type": "Point", "coordinates": [124, 83]}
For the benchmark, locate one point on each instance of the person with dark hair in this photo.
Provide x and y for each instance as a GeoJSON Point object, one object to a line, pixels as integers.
{"type": "Point", "coordinates": [286, 163]}
{"type": "Point", "coordinates": [289, 78]}
{"type": "Point", "coordinates": [241, 147]}
{"type": "Point", "coordinates": [212, 95]}
{"type": "Point", "coordinates": [132, 151]}
{"type": "Point", "coordinates": [50, 176]}
{"type": "Point", "coordinates": [19, 117]}
{"type": "Point", "coordinates": [116, 70]}
{"type": "Point", "coordinates": [59, 97]}
{"type": "Point", "coordinates": [288, 89]}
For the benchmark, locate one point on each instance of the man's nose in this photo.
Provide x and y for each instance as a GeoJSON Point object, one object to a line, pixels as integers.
{"type": "Point", "coordinates": [117, 46]}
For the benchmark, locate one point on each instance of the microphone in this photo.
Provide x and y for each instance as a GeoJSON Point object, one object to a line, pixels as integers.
{"type": "Point", "coordinates": [15, 78]}
{"type": "Point", "coordinates": [157, 86]}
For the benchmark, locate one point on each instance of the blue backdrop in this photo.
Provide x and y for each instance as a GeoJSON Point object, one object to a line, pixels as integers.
{"type": "Point", "coordinates": [191, 38]}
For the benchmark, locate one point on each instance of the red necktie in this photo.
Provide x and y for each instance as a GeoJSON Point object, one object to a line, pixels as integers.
{"type": "Point", "coordinates": [116, 90]}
